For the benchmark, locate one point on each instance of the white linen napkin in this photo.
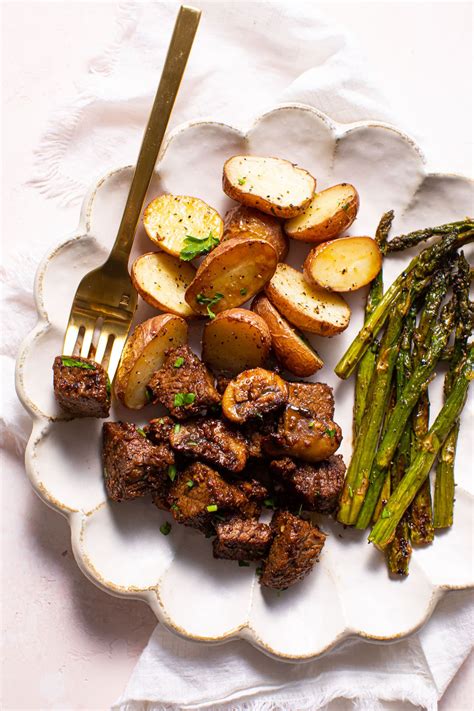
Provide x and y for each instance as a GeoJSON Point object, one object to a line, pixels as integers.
{"type": "Point", "coordinates": [248, 56]}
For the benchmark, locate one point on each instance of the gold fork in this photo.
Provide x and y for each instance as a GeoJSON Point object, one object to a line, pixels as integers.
{"type": "Point", "coordinates": [105, 299]}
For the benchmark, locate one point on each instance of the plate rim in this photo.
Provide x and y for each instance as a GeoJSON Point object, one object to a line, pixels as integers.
{"type": "Point", "coordinates": [42, 422]}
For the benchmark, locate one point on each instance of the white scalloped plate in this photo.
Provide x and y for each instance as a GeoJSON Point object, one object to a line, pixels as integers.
{"type": "Point", "coordinates": [119, 547]}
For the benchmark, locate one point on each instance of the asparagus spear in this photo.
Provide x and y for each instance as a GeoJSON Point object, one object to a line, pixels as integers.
{"type": "Point", "coordinates": [421, 267]}
{"type": "Point", "coordinates": [398, 552]}
{"type": "Point", "coordinates": [421, 512]}
{"type": "Point", "coordinates": [397, 421]}
{"type": "Point", "coordinates": [385, 491]}
{"type": "Point", "coordinates": [357, 478]}
{"type": "Point", "coordinates": [367, 364]}
{"type": "Point", "coordinates": [401, 242]}
{"type": "Point", "coordinates": [444, 483]}
{"type": "Point", "coordinates": [417, 384]}
{"type": "Point", "coordinates": [383, 531]}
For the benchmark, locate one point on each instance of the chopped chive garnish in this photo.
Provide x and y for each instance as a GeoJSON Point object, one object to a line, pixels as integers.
{"type": "Point", "coordinates": [165, 528]}
{"type": "Point", "coordinates": [184, 399]}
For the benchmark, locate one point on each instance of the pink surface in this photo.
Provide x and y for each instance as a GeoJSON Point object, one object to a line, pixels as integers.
{"type": "Point", "coordinates": [67, 645]}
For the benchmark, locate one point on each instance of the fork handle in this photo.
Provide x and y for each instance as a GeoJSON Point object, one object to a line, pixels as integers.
{"type": "Point", "coordinates": [184, 32]}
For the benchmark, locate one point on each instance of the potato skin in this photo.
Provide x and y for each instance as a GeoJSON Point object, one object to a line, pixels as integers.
{"type": "Point", "coordinates": [221, 349]}
{"type": "Point", "coordinates": [257, 201]}
{"type": "Point", "coordinates": [337, 281]}
{"type": "Point", "coordinates": [187, 271]}
{"type": "Point", "coordinates": [291, 351]}
{"type": "Point", "coordinates": [291, 305]}
{"type": "Point", "coordinates": [242, 222]}
{"type": "Point", "coordinates": [139, 340]}
{"type": "Point", "coordinates": [237, 268]}
{"type": "Point", "coordinates": [332, 226]}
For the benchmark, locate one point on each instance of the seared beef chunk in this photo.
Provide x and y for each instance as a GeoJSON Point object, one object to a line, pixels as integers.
{"type": "Point", "coordinates": [200, 493]}
{"type": "Point", "coordinates": [295, 549]}
{"type": "Point", "coordinates": [158, 430]}
{"type": "Point", "coordinates": [242, 539]}
{"type": "Point", "coordinates": [183, 384]}
{"type": "Point", "coordinates": [81, 386]}
{"type": "Point", "coordinates": [253, 393]}
{"type": "Point", "coordinates": [212, 441]}
{"type": "Point", "coordinates": [222, 381]}
{"type": "Point", "coordinates": [256, 494]}
{"type": "Point", "coordinates": [314, 399]}
{"type": "Point", "coordinates": [315, 486]}
{"type": "Point", "coordinates": [133, 466]}
{"type": "Point", "coordinates": [305, 429]}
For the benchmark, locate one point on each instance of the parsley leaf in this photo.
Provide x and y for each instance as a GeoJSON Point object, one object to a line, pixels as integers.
{"type": "Point", "coordinates": [243, 292]}
{"type": "Point", "coordinates": [195, 246]}
{"type": "Point", "coordinates": [140, 431]}
{"type": "Point", "coordinates": [241, 181]}
{"type": "Point", "coordinates": [74, 363]}
{"type": "Point", "coordinates": [190, 483]}
{"type": "Point", "coordinates": [210, 301]}
{"type": "Point", "coordinates": [184, 399]}
{"type": "Point", "coordinates": [165, 528]}
{"type": "Point", "coordinates": [177, 427]}
{"type": "Point", "coordinates": [385, 514]}
{"type": "Point", "coordinates": [212, 507]}
{"type": "Point", "coordinates": [178, 362]}
{"type": "Point", "coordinates": [330, 433]}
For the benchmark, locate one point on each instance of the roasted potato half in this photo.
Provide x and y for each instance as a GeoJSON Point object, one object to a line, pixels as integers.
{"type": "Point", "coordinates": [170, 219]}
{"type": "Point", "coordinates": [234, 341]}
{"type": "Point", "coordinates": [273, 185]}
{"type": "Point", "coordinates": [330, 213]}
{"type": "Point", "coordinates": [162, 280]}
{"type": "Point", "coordinates": [144, 353]}
{"type": "Point", "coordinates": [242, 222]}
{"type": "Point", "coordinates": [230, 275]}
{"type": "Point", "coordinates": [345, 264]}
{"type": "Point", "coordinates": [289, 347]}
{"type": "Point", "coordinates": [305, 305]}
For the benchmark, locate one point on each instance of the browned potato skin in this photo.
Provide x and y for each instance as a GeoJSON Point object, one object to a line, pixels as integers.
{"type": "Point", "coordinates": [229, 256]}
{"type": "Point", "coordinates": [310, 443]}
{"type": "Point", "coordinates": [332, 227]}
{"type": "Point", "coordinates": [236, 320]}
{"type": "Point", "coordinates": [252, 393]}
{"type": "Point", "coordinates": [290, 350]}
{"type": "Point", "coordinates": [286, 304]}
{"type": "Point", "coordinates": [260, 203]}
{"type": "Point", "coordinates": [341, 243]}
{"type": "Point", "coordinates": [242, 222]}
{"type": "Point", "coordinates": [138, 341]}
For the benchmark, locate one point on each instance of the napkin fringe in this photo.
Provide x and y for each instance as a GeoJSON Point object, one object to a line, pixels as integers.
{"type": "Point", "coordinates": [47, 175]}
{"type": "Point", "coordinates": [413, 690]}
